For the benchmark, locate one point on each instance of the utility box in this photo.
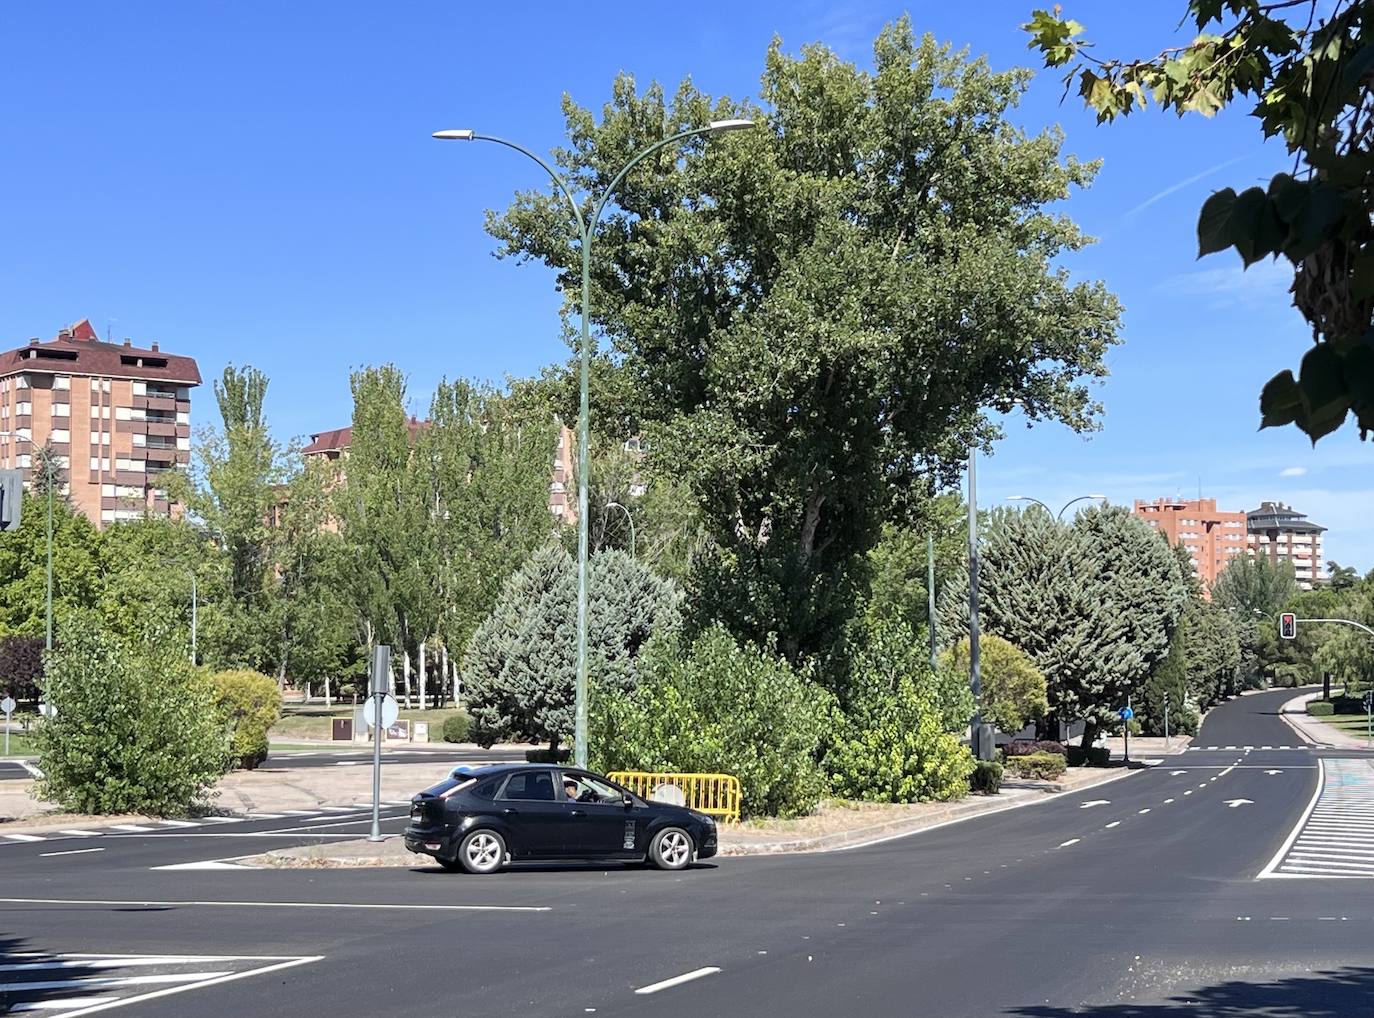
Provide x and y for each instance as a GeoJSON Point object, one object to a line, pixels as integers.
{"type": "Point", "coordinates": [419, 731]}
{"type": "Point", "coordinates": [341, 729]}
{"type": "Point", "coordinates": [399, 731]}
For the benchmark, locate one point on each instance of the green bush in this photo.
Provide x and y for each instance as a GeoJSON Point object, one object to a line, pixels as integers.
{"type": "Point", "coordinates": [1320, 708]}
{"type": "Point", "coordinates": [715, 706]}
{"type": "Point", "coordinates": [986, 778]}
{"type": "Point", "coordinates": [1098, 756]}
{"type": "Point", "coordinates": [1014, 690]}
{"type": "Point", "coordinates": [1347, 705]}
{"type": "Point", "coordinates": [892, 747]}
{"type": "Point", "coordinates": [455, 728]}
{"type": "Point", "coordinates": [1045, 766]}
{"type": "Point", "coordinates": [247, 704]}
{"type": "Point", "coordinates": [135, 731]}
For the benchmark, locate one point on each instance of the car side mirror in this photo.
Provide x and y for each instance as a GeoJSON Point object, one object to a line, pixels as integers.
{"type": "Point", "coordinates": [628, 800]}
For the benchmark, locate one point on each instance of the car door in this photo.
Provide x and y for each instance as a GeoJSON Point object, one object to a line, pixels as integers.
{"type": "Point", "coordinates": [535, 817]}
{"type": "Point", "coordinates": [599, 824]}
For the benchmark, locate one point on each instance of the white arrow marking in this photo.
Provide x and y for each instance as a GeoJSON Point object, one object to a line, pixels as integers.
{"type": "Point", "coordinates": [1096, 802]}
{"type": "Point", "coordinates": [1273, 772]}
{"type": "Point", "coordinates": [1233, 803]}
{"type": "Point", "coordinates": [1174, 774]}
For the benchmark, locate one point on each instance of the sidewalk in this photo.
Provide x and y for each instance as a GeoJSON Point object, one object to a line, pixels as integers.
{"type": "Point", "coordinates": [1312, 730]}
{"type": "Point", "coordinates": [836, 826]}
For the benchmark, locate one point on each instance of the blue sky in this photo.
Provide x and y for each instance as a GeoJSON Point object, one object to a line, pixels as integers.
{"type": "Point", "coordinates": [254, 182]}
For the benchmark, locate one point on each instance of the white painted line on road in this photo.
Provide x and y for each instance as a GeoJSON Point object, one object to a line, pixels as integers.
{"type": "Point", "coordinates": [1071, 841]}
{"type": "Point", "coordinates": [1189, 792]}
{"type": "Point", "coordinates": [299, 812]}
{"type": "Point", "coordinates": [1174, 774]}
{"type": "Point", "coordinates": [220, 820]}
{"type": "Point", "coordinates": [178, 823]}
{"type": "Point", "coordinates": [61, 1003]}
{"type": "Point", "coordinates": [213, 864]}
{"type": "Point", "coordinates": [366, 906]}
{"type": "Point", "coordinates": [135, 828]}
{"type": "Point", "coordinates": [96, 982]}
{"type": "Point", "coordinates": [229, 978]}
{"type": "Point", "coordinates": [348, 763]}
{"type": "Point", "coordinates": [77, 833]}
{"type": "Point", "coordinates": [336, 809]}
{"type": "Point", "coordinates": [264, 816]}
{"type": "Point", "coordinates": [70, 851]}
{"type": "Point", "coordinates": [686, 977]}
{"type": "Point", "coordinates": [1273, 863]}
{"type": "Point", "coordinates": [1167, 801]}
{"type": "Point", "coordinates": [1141, 812]}
{"type": "Point", "coordinates": [1114, 823]}
{"type": "Point", "coordinates": [25, 837]}
{"type": "Point", "coordinates": [1095, 802]}
{"type": "Point", "coordinates": [1235, 803]}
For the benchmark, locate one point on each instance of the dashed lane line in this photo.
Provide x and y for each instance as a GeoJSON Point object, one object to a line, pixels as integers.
{"type": "Point", "coordinates": [686, 977]}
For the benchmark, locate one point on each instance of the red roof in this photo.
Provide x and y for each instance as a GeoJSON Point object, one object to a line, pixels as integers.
{"type": "Point", "coordinates": [79, 351]}
{"type": "Point", "coordinates": [339, 439]}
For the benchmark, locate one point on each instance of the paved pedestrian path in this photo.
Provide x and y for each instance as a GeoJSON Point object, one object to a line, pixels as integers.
{"type": "Point", "coordinates": [1336, 837]}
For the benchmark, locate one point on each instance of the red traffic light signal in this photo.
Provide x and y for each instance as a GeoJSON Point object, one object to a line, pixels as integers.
{"type": "Point", "coordinates": [1288, 626]}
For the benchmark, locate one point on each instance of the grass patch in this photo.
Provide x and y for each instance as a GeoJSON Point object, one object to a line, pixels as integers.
{"type": "Point", "coordinates": [315, 721]}
{"type": "Point", "coordinates": [20, 745]}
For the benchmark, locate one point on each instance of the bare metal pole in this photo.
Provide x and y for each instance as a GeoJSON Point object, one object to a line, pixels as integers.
{"type": "Point", "coordinates": [930, 594]}
{"type": "Point", "coordinates": [974, 665]}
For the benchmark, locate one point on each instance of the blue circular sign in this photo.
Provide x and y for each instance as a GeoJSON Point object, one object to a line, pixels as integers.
{"type": "Point", "coordinates": [1125, 713]}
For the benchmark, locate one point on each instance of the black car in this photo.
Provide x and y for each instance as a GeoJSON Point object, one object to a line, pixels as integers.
{"type": "Point", "coordinates": [482, 818]}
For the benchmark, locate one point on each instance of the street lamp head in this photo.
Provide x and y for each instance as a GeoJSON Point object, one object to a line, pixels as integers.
{"type": "Point", "coordinates": [1097, 496]}
{"type": "Point", "coordinates": [1016, 498]}
{"type": "Point", "coordinates": [721, 126]}
{"type": "Point", "coordinates": [454, 135]}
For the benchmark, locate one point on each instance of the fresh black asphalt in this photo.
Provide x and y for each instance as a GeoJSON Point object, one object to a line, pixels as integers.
{"type": "Point", "coordinates": [1134, 898]}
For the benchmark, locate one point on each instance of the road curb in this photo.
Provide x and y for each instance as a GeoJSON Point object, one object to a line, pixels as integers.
{"type": "Point", "coordinates": [1288, 709]}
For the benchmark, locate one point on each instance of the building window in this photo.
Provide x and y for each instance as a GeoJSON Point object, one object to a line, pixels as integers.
{"type": "Point", "coordinates": [61, 435]}
{"type": "Point", "coordinates": [61, 409]}
{"type": "Point", "coordinates": [24, 408]}
{"type": "Point", "coordinates": [62, 382]}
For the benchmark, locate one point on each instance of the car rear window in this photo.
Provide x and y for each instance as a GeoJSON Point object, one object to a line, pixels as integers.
{"type": "Point", "coordinates": [529, 785]}
{"type": "Point", "coordinates": [486, 789]}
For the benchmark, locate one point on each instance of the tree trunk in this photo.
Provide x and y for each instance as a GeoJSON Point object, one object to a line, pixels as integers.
{"type": "Point", "coordinates": [405, 676]}
{"type": "Point", "coordinates": [420, 678]}
{"type": "Point", "coordinates": [328, 703]}
{"type": "Point", "coordinates": [1089, 735]}
{"type": "Point", "coordinates": [443, 649]}
{"type": "Point", "coordinates": [281, 675]}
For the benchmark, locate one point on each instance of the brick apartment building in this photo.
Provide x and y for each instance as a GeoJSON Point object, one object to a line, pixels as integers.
{"type": "Point", "coordinates": [116, 417]}
{"type": "Point", "coordinates": [1279, 532]}
{"type": "Point", "coordinates": [333, 445]}
{"type": "Point", "coordinates": [1211, 536]}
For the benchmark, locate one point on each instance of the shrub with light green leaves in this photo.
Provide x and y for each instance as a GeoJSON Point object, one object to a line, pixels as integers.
{"type": "Point", "coordinates": [135, 731]}
{"type": "Point", "coordinates": [713, 705]}
{"type": "Point", "coordinates": [1320, 708]}
{"type": "Point", "coordinates": [248, 704]}
{"type": "Point", "coordinates": [1043, 766]}
{"type": "Point", "coordinates": [892, 747]}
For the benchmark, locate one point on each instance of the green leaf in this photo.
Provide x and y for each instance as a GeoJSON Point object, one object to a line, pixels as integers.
{"type": "Point", "coordinates": [1316, 223]}
{"type": "Point", "coordinates": [1214, 222]}
{"type": "Point", "coordinates": [1358, 66]}
{"type": "Point", "coordinates": [1325, 395]}
{"type": "Point", "coordinates": [1281, 401]}
{"type": "Point", "coordinates": [1362, 277]}
{"type": "Point", "coordinates": [1256, 229]}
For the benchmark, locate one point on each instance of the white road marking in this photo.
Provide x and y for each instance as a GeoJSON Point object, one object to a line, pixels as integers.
{"type": "Point", "coordinates": [264, 816]}
{"type": "Point", "coordinates": [686, 977]}
{"type": "Point", "coordinates": [95, 982]}
{"type": "Point", "coordinates": [213, 864]}
{"type": "Point", "coordinates": [383, 906]}
{"type": "Point", "coordinates": [76, 833]}
{"type": "Point", "coordinates": [1174, 774]}
{"type": "Point", "coordinates": [1071, 841]}
{"type": "Point", "coordinates": [61, 1003]}
{"type": "Point", "coordinates": [300, 812]}
{"type": "Point", "coordinates": [1167, 801]}
{"type": "Point", "coordinates": [1142, 811]}
{"type": "Point", "coordinates": [1234, 803]}
{"type": "Point", "coordinates": [178, 823]}
{"type": "Point", "coordinates": [1095, 802]}
{"type": "Point", "coordinates": [129, 827]}
{"type": "Point", "coordinates": [25, 837]}
{"type": "Point", "coordinates": [70, 851]}
{"type": "Point", "coordinates": [1114, 823]}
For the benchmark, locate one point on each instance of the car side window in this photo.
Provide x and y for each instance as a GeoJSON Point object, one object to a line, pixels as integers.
{"type": "Point", "coordinates": [590, 789]}
{"type": "Point", "coordinates": [537, 785]}
{"type": "Point", "coordinates": [486, 789]}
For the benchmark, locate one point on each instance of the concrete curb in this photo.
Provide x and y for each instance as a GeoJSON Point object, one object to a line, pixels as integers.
{"type": "Point", "coordinates": [1298, 705]}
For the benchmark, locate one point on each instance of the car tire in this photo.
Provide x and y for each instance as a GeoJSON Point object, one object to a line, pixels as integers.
{"type": "Point", "coordinates": [671, 849]}
{"type": "Point", "coordinates": [482, 851]}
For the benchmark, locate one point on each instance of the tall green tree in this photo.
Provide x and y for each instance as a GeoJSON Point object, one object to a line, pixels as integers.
{"type": "Point", "coordinates": [23, 566]}
{"type": "Point", "coordinates": [1093, 603]}
{"type": "Point", "coordinates": [1305, 66]}
{"type": "Point", "coordinates": [809, 317]}
{"type": "Point", "coordinates": [1255, 589]}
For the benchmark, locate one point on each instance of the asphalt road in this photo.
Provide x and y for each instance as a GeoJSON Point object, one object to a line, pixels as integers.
{"type": "Point", "coordinates": [1140, 898]}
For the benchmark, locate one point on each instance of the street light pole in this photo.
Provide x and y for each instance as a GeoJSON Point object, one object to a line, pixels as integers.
{"type": "Point", "coordinates": [47, 471]}
{"type": "Point", "coordinates": [194, 602]}
{"type": "Point", "coordinates": [930, 595]}
{"type": "Point", "coordinates": [585, 228]}
{"type": "Point", "coordinates": [629, 517]}
{"type": "Point", "coordinates": [974, 664]}
{"type": "Point", "coordinates": [1059, 516]}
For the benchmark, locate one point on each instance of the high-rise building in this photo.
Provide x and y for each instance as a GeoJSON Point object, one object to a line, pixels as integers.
{"type": "Point", "coordinates": [1211, 536]}
{"type": "Point", "coordinates": [1280, 532]}
{"type": "Point", "coordinates": [116, 418]}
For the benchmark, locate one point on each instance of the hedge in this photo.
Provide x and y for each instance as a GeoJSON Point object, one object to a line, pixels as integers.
{"type": "Point", "coordinates": [455, 728]}
{"type": "Point", "coordinates": [1046, 766]}
{"type": "Point", "coordinates": [1320, 708]}
{"type": "Point", "coordinates": [986, 778]}
{"type": "Point", "coordinates": [1098, 756]}
{"type": "Point", "coordinates": [1025, 747]}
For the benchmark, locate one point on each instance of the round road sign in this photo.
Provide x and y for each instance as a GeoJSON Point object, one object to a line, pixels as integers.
{"type": "Point", "coordinates": [389, 711]}
{"type": "Point", "coordinates": [7, 705]}
{"type": "Point", "coordinates": [1125, 713]}
{"type": "Point", "coordinates": [47, 710]}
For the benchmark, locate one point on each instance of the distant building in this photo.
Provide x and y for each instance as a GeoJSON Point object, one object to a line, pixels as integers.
{"type": "Point", "coordinates": [1280, 532]}
{"type": "Point", "coordinates": [117, 418]}
{"type": "Point", "coordinates": [1212, 537]}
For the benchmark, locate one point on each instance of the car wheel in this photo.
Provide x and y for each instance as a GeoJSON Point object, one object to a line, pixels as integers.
{"type": "Point", "coordinates": [482, 852]}
{"type": "Point", "coordinates": [671, 849]}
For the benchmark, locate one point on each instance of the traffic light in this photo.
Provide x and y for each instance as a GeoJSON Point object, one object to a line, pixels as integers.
{"type": "Point", "coordinates": [1288, 626]}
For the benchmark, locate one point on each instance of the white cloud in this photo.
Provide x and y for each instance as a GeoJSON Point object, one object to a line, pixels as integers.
{"type": "Point", "coordinates": [1292, 471]}
{"type": "Point", "coordinates": [1265, 282]}
{"type": "Point", "coordinates": [1159, 196]}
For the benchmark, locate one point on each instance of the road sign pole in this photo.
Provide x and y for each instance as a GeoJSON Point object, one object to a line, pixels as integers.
{"type": "Point", "coordinates": [1369, 720]}
{"type": "Point", "coordinates": [381, 670]}
{"type": "Point", "coordinates": [1166, 720]}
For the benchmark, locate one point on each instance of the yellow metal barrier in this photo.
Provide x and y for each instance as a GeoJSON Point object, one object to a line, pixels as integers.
{"type": "Point", "coordinates": [713, 794]}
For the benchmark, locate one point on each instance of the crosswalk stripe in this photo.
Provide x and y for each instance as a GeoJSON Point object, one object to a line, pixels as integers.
{"type": "Point", "coordinates": [24, 837]}
{"type": "Point", "coordinates": [77, 833]}
{"type": "Point", "coordinates": [178, 823]}
{"type": "Point", "coordinates": [1335, 837]}
{"type": "Point", "coordinates": [95, 982]}
{"type": "Point", "coordinates": [132, 828]}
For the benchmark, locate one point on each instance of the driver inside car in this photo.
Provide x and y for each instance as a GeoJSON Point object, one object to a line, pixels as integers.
{"type": "Point", "coordinates": [572, 793]}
